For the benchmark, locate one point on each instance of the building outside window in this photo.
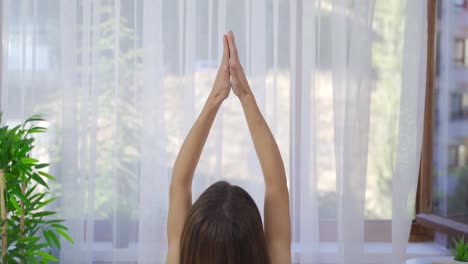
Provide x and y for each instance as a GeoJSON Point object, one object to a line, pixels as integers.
{"type": "Point", "coordinates": [450, 137]}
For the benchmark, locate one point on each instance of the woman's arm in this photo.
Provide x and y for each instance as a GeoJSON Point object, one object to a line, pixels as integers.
{"type": "Point", "coordinates": [276, 211]}
{"type": "Point", "coordinates": [180, 198]}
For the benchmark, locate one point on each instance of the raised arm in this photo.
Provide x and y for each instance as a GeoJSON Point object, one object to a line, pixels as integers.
{"type": "Point", "coordinates": [276, 210]}
{"type": "Point", "coordinates": [180, 199]}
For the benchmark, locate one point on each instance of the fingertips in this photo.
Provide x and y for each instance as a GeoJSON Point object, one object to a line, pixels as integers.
{"type": "Point", "coordinates": [231, 36]}
{"type": "Point", "coordinates": [225, 59]}
{"type": "Point", "coordinates": [232, 45]}
{"type": "Point", "coordinates": [226, 45]}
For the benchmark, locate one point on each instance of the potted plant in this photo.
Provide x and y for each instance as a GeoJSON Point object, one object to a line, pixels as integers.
{"type": "Point", "coordinates": [460, 250]}
{"type": "Point", "coordinates": [28, 230]}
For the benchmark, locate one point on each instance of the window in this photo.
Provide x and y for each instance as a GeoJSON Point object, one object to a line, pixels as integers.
{"type": "Point", "coordinates": [461, 4]}
{"type": "Point", "coordinates": [459, 106]}
{"type": "Point", "coordinates": [461, 51]}
{"type": "Point", "coordinates": [443, 185]}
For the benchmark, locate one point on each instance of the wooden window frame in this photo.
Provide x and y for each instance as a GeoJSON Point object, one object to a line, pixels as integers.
{"type": "Point", "coordinates": [424, 215]}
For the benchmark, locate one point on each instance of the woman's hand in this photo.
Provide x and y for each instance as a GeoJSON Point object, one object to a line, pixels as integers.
{"type": "Point", "coordinates": [222, 84]}
{"type": "Point", "coordinates": [240, 85]}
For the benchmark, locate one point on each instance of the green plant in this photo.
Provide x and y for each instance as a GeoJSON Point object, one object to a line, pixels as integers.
{"type": "Point", "coordinates": [460, 250]}
{"type": "Point", "coordinates": [29, 231]}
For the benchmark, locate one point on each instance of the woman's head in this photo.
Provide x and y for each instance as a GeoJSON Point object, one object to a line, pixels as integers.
{"type": "Point", "coordinates": [223, 226]}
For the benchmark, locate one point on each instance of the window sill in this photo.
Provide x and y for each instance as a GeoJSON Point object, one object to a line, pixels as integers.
{"type": "Point", "coordinates": [103, 252]}
{"type": "Point", "coordinates": [442, 224]}
{"type": "Point", "coordinates": [374, 252]}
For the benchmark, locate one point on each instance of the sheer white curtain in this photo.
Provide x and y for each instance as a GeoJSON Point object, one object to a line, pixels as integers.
{"type": "Point", "coordinates": [341, 83]}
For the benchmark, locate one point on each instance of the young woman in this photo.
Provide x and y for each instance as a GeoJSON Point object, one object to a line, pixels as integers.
{"type": "Point", "coordinates": [224, 224]}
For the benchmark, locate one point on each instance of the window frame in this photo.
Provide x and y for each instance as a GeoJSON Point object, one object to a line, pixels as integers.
{"type": "Point", "coordinates": [424, 214]}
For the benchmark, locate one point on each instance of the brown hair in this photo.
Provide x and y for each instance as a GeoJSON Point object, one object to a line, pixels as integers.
{"type": "Point", "coordinates": [223, 226]}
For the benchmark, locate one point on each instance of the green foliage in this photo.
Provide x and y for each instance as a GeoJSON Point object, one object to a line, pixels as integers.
{"type": "Point", "coordinates": [460, 250]}
{"type": "Point", "coordinates": [31, 230]}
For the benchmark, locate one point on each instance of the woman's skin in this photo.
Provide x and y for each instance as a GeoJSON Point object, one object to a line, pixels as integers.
{"type": "Point", "coordinates": [277, 223]}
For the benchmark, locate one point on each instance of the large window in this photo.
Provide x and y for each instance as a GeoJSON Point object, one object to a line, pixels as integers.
{"type": "Point", "coordinates": [110, 133]}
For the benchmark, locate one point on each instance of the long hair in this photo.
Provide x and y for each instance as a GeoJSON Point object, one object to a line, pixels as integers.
{"type": "Point", "coordinates": [223, 226]}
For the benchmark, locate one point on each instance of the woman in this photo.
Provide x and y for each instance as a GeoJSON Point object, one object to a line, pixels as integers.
{"type": "Point", "coordinates": [224, 224]}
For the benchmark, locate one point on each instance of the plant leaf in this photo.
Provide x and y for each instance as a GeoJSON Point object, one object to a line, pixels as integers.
{"type": "Point", "coordinates": [31, 259]}
{"type": "Point", "coordinates": [31, 190]}
{"type": "Point", "coordinates": [44, 213]}
{"type": "Point", "coordinates": [46, 256]}
{"type": "Point", "coordinates": [32, 239]}
{"type": "Point", "coordinates": [39, 180]}
{"type": "Point", "coordinates": [55, 221]}
{"type": "Point", "coordinates": [65, 235]}
{"type": "Point", "coordinates": [15, 204]}
{"type": "Point", "coordinates": [47, 237]}
{"type": "Point", "coordinates": [20, 196]}
{"type": "Point", "coordinates": [42, 165]}
{"type": "Point", "coordinates": [27, 160]}
{"type": "Point", "coordinates": [33, 130]}
{"type": "Point", "coordinates": [34, 118]}
{"type": "Point", "coordinates": [37, 221]}
{"type": "Point", "coordinates": [59, 226]}
{"type": "Point", "coordinates": [38, 246]}
{"type": "Point", "coordinates": [47, 175]}
{"type": "Point", "coordinates": [54, 238]}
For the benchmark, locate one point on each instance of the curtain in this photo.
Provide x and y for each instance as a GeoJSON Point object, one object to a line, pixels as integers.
{"type": "Point", "coordinates": [341, 84]}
